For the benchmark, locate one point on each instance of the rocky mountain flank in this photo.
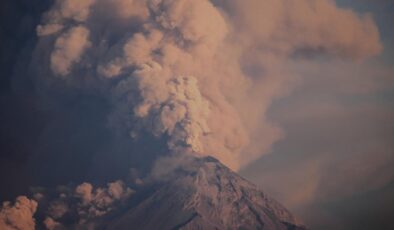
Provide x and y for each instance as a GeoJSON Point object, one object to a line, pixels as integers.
{"type": "Point", "coordinates": [204, 194]}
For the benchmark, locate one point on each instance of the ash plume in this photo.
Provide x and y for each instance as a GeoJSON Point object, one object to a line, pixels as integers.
{"type": "Point", "coordinates": [18, 216]}
{"type": "Point", "coordinates": [80, 207]}
{"type": "Point", "coordinates": [199, 73]}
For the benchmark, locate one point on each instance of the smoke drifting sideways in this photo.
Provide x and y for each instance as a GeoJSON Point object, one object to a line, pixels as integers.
{"type": "Point", "coordinates": [198, 74]}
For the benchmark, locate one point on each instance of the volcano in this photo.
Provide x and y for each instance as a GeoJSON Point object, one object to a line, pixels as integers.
{"type": "Point", "coordinates": [201, 194]}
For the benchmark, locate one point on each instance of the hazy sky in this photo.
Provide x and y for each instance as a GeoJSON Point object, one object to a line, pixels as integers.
{"type": "Point", "coordinates": [334, 166]}
{"type": "Point", "coordinates": [300, 100]}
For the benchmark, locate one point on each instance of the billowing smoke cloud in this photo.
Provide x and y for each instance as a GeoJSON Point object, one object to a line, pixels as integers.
{"type": "Point", "coordinates": [200, 74]}
{"type": "Point", "coordinates": [18, 216]}
{"type": "Point", "coordinates": [96, 203]}
{"type": "Point", "coordinates": [68, 49]}
{"type": "Point", "coordinates": [80, 207]}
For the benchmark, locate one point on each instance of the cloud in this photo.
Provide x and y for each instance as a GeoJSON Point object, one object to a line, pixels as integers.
{"type": "Point", "coordinates": [78, 11]}
{"type": "Point", "coordinates": [48, 29]}
{"type": "Point", "coordinates": [83, 205]}
{"type": "Point", "coordinates": [314, 26]}
{"type": "Point", "coordinates": [98, 202]}
{"type": "Point", "coordinates": [338, 146]}
{"type": "Point", "coordinates": [181, 112]}
{"type": "Point", "coordinates": [18, 216]}
{"type": "Point", "coordinates": [201, 73]}
{"type": "Point", "coordinates": [50, 224]}
{"type": "Point", "coordinates": [68, 49]}
{"type": "Point", "coordinates": [232, 55]}
{"type": "Point", "coordinates": [61, 12]}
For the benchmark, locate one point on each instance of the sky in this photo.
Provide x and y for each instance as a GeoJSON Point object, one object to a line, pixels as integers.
{"type": "Point", "coordinates": [295, 96]}
{"type": "Point", "coordinates": [334, 166]}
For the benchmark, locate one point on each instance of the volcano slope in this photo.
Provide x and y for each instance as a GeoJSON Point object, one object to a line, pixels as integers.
{"type": "Point", "coordinates": [202, 194]}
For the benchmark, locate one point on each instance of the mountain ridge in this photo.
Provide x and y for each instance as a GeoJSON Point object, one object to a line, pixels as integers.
{"type": "Point", "coordinates": [204, 194]}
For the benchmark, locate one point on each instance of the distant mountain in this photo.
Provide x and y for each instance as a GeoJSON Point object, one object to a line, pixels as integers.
{"type": "Point", "coordinates": [202, 194]}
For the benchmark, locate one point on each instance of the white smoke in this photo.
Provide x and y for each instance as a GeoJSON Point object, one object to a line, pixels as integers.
{"type": "Point", "coordinates": [200, 73]}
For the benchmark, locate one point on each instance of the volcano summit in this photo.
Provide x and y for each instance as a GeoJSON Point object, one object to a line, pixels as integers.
{"type": "Point", "coordinates": [200, 193]}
